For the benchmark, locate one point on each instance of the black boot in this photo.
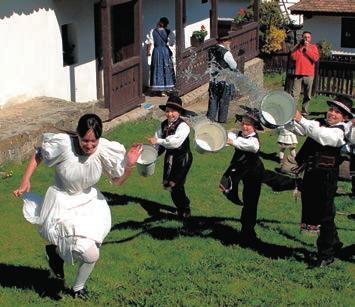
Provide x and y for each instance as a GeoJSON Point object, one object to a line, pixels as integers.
{"type": "Point", "coordinates": [55, 262]}
{"type": "Point", "coordinates": [82, 294]}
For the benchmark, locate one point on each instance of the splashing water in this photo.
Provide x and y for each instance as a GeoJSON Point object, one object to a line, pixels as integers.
{"type": "Point", "coordinates": [243, 86]}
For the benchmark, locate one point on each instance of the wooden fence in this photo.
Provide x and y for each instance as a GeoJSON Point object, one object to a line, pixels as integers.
{"type": "Point", "coordinates": [332, 76]}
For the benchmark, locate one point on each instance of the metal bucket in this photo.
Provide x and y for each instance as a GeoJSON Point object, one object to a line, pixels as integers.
{"type": "Point", "coordinates": [278, 108]}
{"type": "Point", "coordinates": [209, 137]}
{"type": "Point", "coordinates": [146, 161]}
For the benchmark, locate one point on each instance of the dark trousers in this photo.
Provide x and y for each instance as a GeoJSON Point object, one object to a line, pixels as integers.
{"type": "Point", "coordinates": [318, 192]}
{"type": "Point", "coordinates": [252, 186]}
{"type": "Point", "coordinates": [176, 169]}
{"type": "Point", "coordinates": [218, 103]}
{"type": "Point", "coordinates": [180, 200]}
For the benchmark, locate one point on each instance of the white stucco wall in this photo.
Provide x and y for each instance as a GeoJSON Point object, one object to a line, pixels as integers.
{"type": "Point", "coordinates": [326, 28]}
{"type": "Point", "coordinates": [32, 62]}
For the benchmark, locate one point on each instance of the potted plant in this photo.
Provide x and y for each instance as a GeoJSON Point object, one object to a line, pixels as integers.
{"type": "Point", "coordinates": [239, 19]}
{"type": "Point", "coordinates": [198, 37]}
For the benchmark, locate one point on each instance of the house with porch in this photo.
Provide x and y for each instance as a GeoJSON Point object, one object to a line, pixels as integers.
{"type": "Point", "coordinates": [330, 20]}
{"type": "Point", "coordinates": [84, 50]}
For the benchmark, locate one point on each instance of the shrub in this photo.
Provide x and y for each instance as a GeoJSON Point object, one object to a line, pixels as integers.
{"type": "Point", "coordinates": [274, 39]}
{"type": "Point", "coordinates": [325, 49]}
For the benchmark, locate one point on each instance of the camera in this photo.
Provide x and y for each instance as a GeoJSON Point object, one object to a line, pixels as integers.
{"type": "Point", "coordinates": [302, 41]}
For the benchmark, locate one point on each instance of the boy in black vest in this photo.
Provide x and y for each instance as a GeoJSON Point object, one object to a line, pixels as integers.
{"type": "Point", "coordinates": [220, 92]}
{"type": "Point", "coordinates": [320, 155]}
{"type": "Point", "coordinates": [246, 166]}
{"type": "Point", "coordinates": [173, 137]}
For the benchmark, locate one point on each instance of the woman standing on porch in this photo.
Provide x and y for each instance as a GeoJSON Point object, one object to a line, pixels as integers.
{"type": "Point", "coordinates": [162, 75]}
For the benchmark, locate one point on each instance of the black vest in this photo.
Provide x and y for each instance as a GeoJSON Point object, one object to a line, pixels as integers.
{"type": "Point", "coordinates": [170, 130]}
{"type": "Point", "coordinates": [316, 154]}
{"type": "Point", "coordinates": [216, 57]}
{"type": "Point", "coordinates": [245, 157]}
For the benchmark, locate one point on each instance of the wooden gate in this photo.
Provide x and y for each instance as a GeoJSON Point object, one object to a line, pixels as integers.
{"type": "Point", "coordinates": [121, 37]}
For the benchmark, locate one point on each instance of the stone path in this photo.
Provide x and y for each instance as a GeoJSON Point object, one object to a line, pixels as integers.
{"type": "Point", "coordinates": [22, 125]}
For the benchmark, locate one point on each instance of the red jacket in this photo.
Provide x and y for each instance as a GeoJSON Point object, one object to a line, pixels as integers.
{"type": "Point", "coordinates": [305, 59]}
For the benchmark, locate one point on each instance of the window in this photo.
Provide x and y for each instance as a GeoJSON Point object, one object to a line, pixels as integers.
{"type": "Point", "coordinates": [348, 32]}
{"type": "Point", "coordinates": [69, 44]}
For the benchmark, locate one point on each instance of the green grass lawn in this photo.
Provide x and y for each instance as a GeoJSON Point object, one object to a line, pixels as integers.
{"type": "Point", "coordinates": [148, 259]}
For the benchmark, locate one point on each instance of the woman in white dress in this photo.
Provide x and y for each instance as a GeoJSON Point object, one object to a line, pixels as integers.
{"type": "Point", "coordinates": [74, 216]}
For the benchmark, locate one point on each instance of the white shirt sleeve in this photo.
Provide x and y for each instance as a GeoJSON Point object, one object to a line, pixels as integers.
{"type": "Point", "coordinates": [325, 136]}
{"type": "Point", "coordinates": [174, 140]}
{"type": "Point", "coordinates": [228, 57]}
{"type": "Point", "coordinates": [250, 143]}
{"type": "Point", "coordinates": [171, 39]}
{"type": "Point", "coordinates": [149, 39]}
{"type": "Point", "coordinates": [296, 128]}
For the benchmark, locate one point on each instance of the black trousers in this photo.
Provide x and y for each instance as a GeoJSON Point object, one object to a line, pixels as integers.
{"type": "Point", "coordinates": [180, 200]}
{"type": "Point", "coordinates": [318, 192]}
{"type": "Point", "coordinates": [176, 169]}
{"type": "Point", "coordinates": [218, 104]}
{"type": "Point", "coordinates": [252, 181]}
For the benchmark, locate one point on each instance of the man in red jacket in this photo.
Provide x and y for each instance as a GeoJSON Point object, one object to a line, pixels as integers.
{"type": "Point", "coordinates": [306, 55]}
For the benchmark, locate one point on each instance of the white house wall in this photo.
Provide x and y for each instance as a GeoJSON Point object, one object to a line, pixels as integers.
{"type": "Point", "coordinates": [32, 60]}
{"type": "Point", "coordinates": [326, 28]}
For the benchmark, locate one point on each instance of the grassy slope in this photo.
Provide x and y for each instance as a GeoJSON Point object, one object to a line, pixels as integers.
{"type": "Point", "coordinates": [151, 261]}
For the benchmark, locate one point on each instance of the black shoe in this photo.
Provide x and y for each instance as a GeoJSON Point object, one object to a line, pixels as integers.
{"type": "Point", "coordinates": [337, 247]}
{"type": "Point", "coordinates": [55, 262]}
{"type": "Point", "coordinates": [322, 263]}
{"type": "Point", "coordinates": [82, 294]}
{"type": "Point", "coordinates": [248, 239]}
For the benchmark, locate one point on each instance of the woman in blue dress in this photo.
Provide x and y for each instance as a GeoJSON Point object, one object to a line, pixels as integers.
{"type": "Point", "coordinates": [162, 76]}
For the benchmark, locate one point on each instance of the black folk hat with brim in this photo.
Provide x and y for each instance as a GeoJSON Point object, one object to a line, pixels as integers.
{"type": "Point", "coordinates": [254, 119]}
{"type": "Point", "coordinates": [344, 103]}
{"type": "Point", "coordinates": [175, 103]}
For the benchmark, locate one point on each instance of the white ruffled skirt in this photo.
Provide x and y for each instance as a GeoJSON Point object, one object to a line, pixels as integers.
{"type": "Point", "coordinates": [64, 219]}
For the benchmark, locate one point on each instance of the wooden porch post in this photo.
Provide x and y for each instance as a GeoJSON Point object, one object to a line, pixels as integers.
{"type": "Point", "coordinates": [180, 37]}
{"type": "Point", "coordinates": [256, 19]}
{"type": "Point", "coordinates": [214, 19]}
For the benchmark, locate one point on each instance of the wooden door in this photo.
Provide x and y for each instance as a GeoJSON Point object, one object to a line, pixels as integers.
{"type": "Point", "coordinates": [121, 37]}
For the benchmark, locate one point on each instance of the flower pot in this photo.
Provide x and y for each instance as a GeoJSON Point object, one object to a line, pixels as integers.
{"type": "Point", "coordinates": [195, 42]}
{"type": "Point", "coordinates": [236, 26]}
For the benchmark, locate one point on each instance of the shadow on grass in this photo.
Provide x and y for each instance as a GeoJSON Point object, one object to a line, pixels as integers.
{"type": "Point", "coordinates": [208, 227]}
{"type": "Point", "coordinates": [150, 206]}
{"type": "Point", "coordinates": [27, 278]}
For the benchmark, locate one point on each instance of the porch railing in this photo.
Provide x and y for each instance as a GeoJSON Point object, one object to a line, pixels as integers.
{"type": "Point", "coordinates": [193, 62]}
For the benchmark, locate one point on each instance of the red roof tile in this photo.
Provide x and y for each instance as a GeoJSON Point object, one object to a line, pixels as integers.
{"type": "Point", "coordinates": [324, 6]}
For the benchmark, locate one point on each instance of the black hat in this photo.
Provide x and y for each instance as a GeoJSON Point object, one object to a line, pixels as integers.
{"type": "Point", "coordinates": [164, 20]}
{"type": "Point", "coordinates": [223, 37]}
{"type": "Point", "coordinates": [175, 102]}
{"type": "Point", "coordinates": [344, 103]}
{"type": "Point", "coordinates": [253, 114]}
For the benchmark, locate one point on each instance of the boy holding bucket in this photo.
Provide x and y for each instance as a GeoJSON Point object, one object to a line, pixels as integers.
{"type": "Point", "coordinates": [173, 137]}
{"type": "Point", "coordinates": [246, 166]}
{"type": "Point", "coordinates": [320, 157]}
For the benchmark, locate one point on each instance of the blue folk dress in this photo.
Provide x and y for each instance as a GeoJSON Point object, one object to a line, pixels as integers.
{"type": "Point", "coordinates": [162, 76]}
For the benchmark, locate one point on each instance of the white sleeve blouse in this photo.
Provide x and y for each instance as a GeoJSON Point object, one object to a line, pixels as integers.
{"type": "Point", "coordinates": [175, 140]}
{"type": "Point", "coordinates": [246, 143]}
